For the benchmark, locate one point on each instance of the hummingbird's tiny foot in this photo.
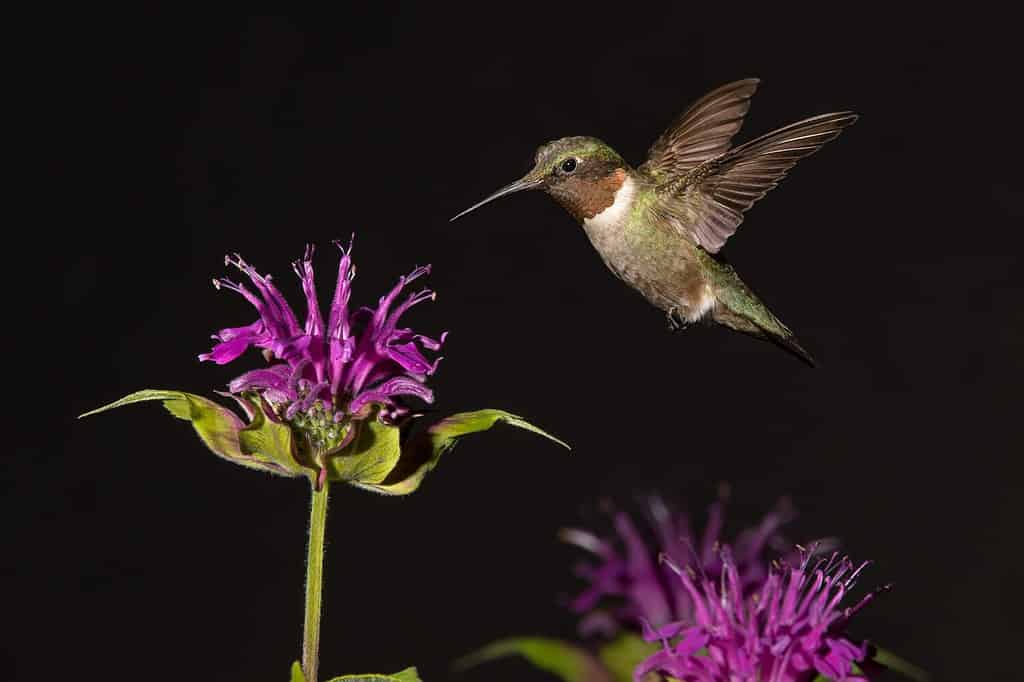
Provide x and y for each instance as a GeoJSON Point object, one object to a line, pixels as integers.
{"type": "Point", "coordinates": [676, 323]}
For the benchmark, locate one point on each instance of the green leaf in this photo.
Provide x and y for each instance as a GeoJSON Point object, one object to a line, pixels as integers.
{"type": "Point", "coordinates": [370, 457]}
{"type": "Point", "coordinates": [217, 426]}
{"type": "Point", "coordinates": [269, 440]}
{"type": "Point", "coordinates": [897, 664]}
{"type": "Point", "coordinates": [623, 654]}
{"type": "Point", "coordinates": [564, 660]}
{"type": "Point", "coordinates": [297, 675]}
{"type": "Point", "coordinates": [407, 675]}
{"type": "Point", "coordinates": [424, 451]}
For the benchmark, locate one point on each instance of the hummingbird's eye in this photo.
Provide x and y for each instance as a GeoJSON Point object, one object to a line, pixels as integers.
{"type": "Point", "coordinates": [569, 165]}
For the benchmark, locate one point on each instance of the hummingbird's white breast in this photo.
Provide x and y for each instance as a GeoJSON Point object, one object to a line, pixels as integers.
{"type": "Point", "coordinates": [607, 232]}
{"type": "Point", "coordinates": [612, 217]}
{"type": "Point", "coordinates": [666, 278]}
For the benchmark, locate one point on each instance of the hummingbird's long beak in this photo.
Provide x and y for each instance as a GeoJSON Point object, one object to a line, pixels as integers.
{"type": "Point", "coordinates": [527, 182]}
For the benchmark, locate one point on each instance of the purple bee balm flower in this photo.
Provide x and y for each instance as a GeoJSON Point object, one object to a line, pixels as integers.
{"type": "Point", "coordinates": [331, 403]}
{"type": "Point", "coordinates": [645, 590]}
{"type": "Point", "coordinates": [790, 630]}
{"type": "Point", "coordinates": [323, 374]}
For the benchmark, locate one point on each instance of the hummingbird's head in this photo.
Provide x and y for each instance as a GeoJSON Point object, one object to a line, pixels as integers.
{"type": "Point", "coordinates": [581, 173]}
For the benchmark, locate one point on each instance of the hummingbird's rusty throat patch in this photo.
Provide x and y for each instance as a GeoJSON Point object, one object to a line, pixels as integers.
{"type": "Point", "coordinates": [585, 197]}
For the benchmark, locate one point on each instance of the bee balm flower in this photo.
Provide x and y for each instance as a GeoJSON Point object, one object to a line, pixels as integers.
{"type": "Point", "coordinates": [627, 577]}
{"type": "Point", "coordinates": [333, 397]}
{"type": "Point", "coordinates": [732, 617]}
{"type": "Point", "coordinates": [333, 372]}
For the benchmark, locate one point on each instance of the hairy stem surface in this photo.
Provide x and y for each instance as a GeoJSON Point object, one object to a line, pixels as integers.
{"type": "Point", "coordinates": [314, 583]}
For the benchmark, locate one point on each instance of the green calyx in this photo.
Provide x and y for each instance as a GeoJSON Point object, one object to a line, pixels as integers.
{"type": "Point", "coordinates": [364, 453]}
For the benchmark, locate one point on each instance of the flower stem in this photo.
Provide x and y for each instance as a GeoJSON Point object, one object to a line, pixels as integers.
{"type": "Point", "coordinates": [314, 582]}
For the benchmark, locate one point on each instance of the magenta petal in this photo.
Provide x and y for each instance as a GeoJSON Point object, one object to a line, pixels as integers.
{"type": "Point", "coordinates": [591, 542]}
{"type": "Point", "coordinates": [645, 591]}
{"type": "Point", "coordinates": [389, 389]}
{"type": "Point", "coordinates": [712, 531]}
{"type": "Point", "coordinates": [275, 377]}
{"type": "Point", "coordinates": [224, 353]}
{"type": "Point", "coordinates": [255, 331]}
{"type": "Point", "coordinates": [363, 363]}
{"type": "Point", "coordinates": [665, 632]}
{"type": "Point", "coordinates": [338, 321]}
{"type": "Point", "coordinates": [304, 269]}
{"type": "Point", "coordinates": [380, 315]}
{"type": "Point", "coordinates": [234, 342]}
{"type": "Point", "coordinates": [339, 354]}
{"type": "Point", "coordinates": [313, 395]}
{"type": "Point", "coordinates": [279, 315]}
{"type": "Point", "coordinates": [599, 624]}
{"type": "Point", "coordinates": [412, 299]}
{"type": "Point", "coordinates": [751, 542]}
{"type": "Point", "coordinates": [429, 343]}
{"type": "Point", "coordinates": [831, 666]}
{"type": "Point", "coordinates": [664, 661]}
{"type": "Point", "coordinates": [409, 358]}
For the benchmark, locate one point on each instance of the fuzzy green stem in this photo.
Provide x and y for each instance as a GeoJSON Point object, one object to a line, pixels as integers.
{"type": "Point", "coordinates": [314, 582]}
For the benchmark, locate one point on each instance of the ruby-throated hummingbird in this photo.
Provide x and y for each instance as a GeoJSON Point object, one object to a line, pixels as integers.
{"type": "Point", "coordinates": [659, 226]}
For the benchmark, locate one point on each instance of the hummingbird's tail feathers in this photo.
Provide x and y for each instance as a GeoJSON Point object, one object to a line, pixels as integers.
{"type": "Point", "coordinates": [763, 325]}
{"type": "Point", "coordinates": [738, 308]}
{"type": "Point", "coordinates": [708, 203]}
{"type": "Point", "coordinates": [791, 344]}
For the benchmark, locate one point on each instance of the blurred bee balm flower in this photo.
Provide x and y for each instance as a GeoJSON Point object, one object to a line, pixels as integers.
{"type": "Point", "coordinates": [627, 585]}
{"type": "Point", "coordinates": [730, 615]}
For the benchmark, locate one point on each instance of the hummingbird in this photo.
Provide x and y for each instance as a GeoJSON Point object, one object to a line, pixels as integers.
{"type": "Point", "coordinates": [659, 227]}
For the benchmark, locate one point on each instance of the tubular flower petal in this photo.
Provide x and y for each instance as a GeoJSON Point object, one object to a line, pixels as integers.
{"type": "Point", "coordinates": [791, 629]}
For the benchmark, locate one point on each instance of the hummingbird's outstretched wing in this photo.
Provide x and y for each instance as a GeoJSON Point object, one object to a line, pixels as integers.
{"type": "Point", "coordinates": [701, 132]}
{"type": "Point", "coordinates": [707, 204]}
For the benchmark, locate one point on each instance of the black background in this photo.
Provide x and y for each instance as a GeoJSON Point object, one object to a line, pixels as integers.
{"type": "Point", "coordinates": [894, 253]}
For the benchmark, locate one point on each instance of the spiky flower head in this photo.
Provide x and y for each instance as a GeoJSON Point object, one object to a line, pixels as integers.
{"type": "Point", "coordinates": [324, 376]}
{"type": "Point", "coordinates": [628, 585]}
{"type": "Point", "coordinates": [332, 402]}
{"type": "Point", "coordinates": [792, 629]}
